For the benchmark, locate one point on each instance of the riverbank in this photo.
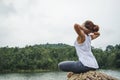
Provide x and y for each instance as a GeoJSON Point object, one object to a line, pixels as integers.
{"type": "Point", "coordinates": [25, 71]}
{"type": "Point", "coordinates": [44, 70]}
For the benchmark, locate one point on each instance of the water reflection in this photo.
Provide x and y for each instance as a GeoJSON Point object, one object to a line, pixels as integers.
{"type": "Point", "coordinates": [34, 76]}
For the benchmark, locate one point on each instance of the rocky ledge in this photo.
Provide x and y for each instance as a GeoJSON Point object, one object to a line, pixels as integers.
{"type": "Point", "coordinates": [90, 75]}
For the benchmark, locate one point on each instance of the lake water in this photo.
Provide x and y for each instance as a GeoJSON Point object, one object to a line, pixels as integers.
{"type": "Point", "coordinates": [47, 75]}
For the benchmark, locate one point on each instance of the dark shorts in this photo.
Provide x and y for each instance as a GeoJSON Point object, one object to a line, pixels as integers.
{"type": "Point", "coordinates": [73, 66]}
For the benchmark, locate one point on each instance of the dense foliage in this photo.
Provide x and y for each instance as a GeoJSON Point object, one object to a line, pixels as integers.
{"type": "Point", "coordinates": [47, 56]}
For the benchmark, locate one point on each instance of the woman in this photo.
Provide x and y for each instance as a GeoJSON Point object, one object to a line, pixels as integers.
{"type": "Point", "coordinates": [86, 32]}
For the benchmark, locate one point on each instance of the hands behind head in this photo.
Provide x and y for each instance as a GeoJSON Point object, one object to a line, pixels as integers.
{"type": "Point", "coordinates": [94, 29]}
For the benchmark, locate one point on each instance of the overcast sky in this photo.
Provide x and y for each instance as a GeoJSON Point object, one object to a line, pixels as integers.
{"type": "Point", "coordinates": [29, 22]}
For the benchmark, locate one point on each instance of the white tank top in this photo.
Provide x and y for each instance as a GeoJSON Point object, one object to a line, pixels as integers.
{"type": "Point", "coordinates": [85, 54]}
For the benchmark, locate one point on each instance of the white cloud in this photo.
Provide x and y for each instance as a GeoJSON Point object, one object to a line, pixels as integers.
{"type": "Point", "coordinates": [29, 22]}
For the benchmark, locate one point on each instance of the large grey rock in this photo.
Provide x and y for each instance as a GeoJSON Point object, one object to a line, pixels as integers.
{"type": "Point", "coordinates": [90, 75]}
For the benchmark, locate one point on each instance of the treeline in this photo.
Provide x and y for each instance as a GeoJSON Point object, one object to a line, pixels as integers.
{"type": "Point", "coordinates": [47, 56]}
{"type": "Point", "coordinates": [109, 58]}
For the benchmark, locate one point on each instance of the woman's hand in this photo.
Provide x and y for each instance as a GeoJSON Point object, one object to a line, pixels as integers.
{"type": "Point", "coordinates": [95, 35]}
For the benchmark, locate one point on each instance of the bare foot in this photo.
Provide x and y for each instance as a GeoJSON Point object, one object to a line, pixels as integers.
{"type": "Point", "coordinates": [69, 74]}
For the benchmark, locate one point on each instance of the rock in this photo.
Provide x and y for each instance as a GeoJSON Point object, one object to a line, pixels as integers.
{"type": "Point", "coordinates": [90, 75]}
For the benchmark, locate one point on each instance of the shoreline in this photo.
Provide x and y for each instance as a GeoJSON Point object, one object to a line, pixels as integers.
{"type": "Point", "coordinates": [25, 71]}
{"type": "Point", "coordinates": [41, 70]}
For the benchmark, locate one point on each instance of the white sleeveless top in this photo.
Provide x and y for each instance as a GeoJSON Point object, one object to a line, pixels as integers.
{"type": "Point", "coordinates": [85, 54]}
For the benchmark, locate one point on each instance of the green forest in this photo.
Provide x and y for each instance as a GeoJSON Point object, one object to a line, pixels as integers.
{"type": "Point", "coordinates": [47, 56]}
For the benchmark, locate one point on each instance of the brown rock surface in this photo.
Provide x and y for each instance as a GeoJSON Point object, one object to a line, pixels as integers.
{"type": "Point", "coordinates": [90, 75]}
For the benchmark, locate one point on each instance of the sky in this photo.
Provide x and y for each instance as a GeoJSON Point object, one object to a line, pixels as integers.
{"type": "Point", "coordinates": [30, 22]}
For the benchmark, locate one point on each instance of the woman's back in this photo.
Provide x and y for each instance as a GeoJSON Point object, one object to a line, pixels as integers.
{"type": "Point", "coordinates": [84, 53]}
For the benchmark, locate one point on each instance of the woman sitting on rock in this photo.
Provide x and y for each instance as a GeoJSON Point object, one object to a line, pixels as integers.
{"type": "Point", "coordinates": [86, 32]}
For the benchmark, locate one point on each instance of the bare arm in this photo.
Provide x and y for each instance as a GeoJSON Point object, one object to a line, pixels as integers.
{"type": "Point", "coordinates": [80, 32]}
{"type": "Point", "coordinates": [95, 35]}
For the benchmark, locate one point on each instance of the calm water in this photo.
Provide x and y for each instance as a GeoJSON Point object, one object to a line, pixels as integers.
{"type": "Point", "coordinates": [47, 75]}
